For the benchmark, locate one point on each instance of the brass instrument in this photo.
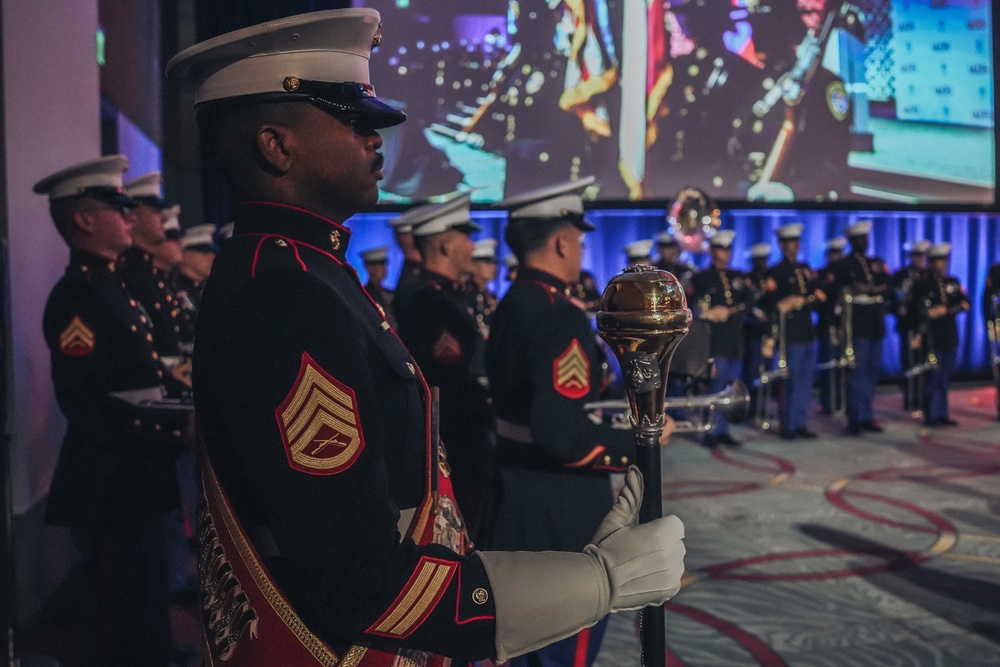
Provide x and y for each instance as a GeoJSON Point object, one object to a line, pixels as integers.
{"type": "Point", "coordinates": [643, 317]}
{"type": "Point", "coordinates": [731, 403]}
{"type": "Point", "coordinates": [693, 218]}
{"type": "Point", "coordinates": [921, 368]}
{"type": "Point", "coordinates": [765, 383]}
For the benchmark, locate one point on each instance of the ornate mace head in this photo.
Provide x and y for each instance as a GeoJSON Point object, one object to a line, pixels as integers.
{"type": "Point", "coordinates": [643, 317]}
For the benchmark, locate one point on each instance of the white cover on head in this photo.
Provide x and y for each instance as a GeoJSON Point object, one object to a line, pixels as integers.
{"type": "Point", "coordinates": [485, 249]}
{"type": "Point", "coordinates": [199, 235]}
{"type": "Point", "coordinates": [379, 254]}
{"type": "Point", "coordinates": [147, 185]}
{"type": "Point", "coordinates": [510, 261]}
{"type": "Point", "coordinates": [171, 218]}
{"type": "Point", "coordinates": [73, 181]}
{"type": "Point", "coordinates": [723, 239]}
{"type": "Point", "coordinates": [790, 231]}
{"type": "Point", "coordinates": [226, 230]}
{"type": "Point", "coordinates": [639, 249]}
{"type": "Point", "coordinates": [758, 250]}
{"type": "Point", "coordinates": [438, 218]}
{"type": "Point", "coordinates": [920, 247]}
{"type": "Point", "coordinates": [836, 243]}
{"type": "Point", "coordinates": [332, 45]}
{"type": "Point", "coordinates": [666, 238]}
{"type": "Point", "coordinates": [939, 250]}
{"type": "Point", "coordinates": [553, 201]}
{"type": "Point", "coordinates": [860, 228]}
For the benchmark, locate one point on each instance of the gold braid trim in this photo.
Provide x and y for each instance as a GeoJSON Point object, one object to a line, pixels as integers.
{"type": "Point", "coordinates": [279, 604]}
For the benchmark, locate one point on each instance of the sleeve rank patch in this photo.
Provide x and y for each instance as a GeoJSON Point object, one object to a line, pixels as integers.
{"type": "Point", "coordinates": [77, 339]}
{"type": "Point", "coordinates": [319, 422]}
{"type": "Point", "coordinates": [447, 350]}
{"type": "Point", "coordinates": [571, 372]}
{"type": "Point", "coordinates": [417, 600]}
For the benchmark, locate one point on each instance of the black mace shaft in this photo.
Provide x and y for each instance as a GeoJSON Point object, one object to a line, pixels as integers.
{"type": "Point", "coordinates": [643, 317]}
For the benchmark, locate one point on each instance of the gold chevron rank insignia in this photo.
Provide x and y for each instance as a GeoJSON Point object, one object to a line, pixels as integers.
{"type": "Point", "coordinates": [319, 422]}
{"type": "Point", "coordinates": [77, 339]}
{"type": "Point", "coordinates": [417, 600]}
{"type": "Point", "coordinates": [571, 372]}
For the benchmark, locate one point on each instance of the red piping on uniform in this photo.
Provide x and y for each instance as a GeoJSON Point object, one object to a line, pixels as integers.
{"type": "Point", "coordinates": [582, 644]}
{"type": "Point", "coordinates": [296, 208]}
{"type": "Point", "coordinates": [458, 597]}
{"type": "Point", "coordinates": [594, 453]}
{"type": "Point", "coordinates": [256, 252]}
{"type": "Point", "coordinates": [545, 288]}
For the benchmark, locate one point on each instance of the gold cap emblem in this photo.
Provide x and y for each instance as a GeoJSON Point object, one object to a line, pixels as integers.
{"type": "Point", "coordinates": [377, 39]}
{"type": "Point", "coordinates": [291, 84]}
{"type": "Point", "coordinates": [335, 239]}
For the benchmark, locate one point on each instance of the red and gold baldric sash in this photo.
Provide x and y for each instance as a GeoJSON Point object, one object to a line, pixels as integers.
{"type": "Point", "coordinates": [248, 622]}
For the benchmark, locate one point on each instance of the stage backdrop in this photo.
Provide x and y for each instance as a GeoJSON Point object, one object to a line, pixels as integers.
{"type": "Point", "coordinates": [975, 239]}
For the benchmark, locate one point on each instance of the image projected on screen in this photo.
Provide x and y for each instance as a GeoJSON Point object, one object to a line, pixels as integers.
{"type": "Point", "coordinates": [789, 102]}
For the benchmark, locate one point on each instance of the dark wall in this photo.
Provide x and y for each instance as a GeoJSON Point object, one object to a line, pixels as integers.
{"type": "Point", "coordinates": [132, 75]}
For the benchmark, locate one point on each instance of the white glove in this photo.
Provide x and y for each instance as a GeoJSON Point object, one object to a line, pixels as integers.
{"type": "Point", "coordinates": [547, 596]}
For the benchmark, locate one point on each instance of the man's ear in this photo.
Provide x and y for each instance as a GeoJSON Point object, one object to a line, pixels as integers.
{"type": "Point", "coordinates": [559, 243]}
{"type": "Point", "coordinates": [272, 146]}
{"type": "Point", "coordinates": [84, 221]}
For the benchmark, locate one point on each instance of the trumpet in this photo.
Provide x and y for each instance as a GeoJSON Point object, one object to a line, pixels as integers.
{"type": "Point", "coordinates": [732, 403]}
{"type": "Point", "coordinates": [925, 367]}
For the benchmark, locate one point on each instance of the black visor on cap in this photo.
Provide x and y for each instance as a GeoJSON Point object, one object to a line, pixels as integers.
{"type": "Point", "coordinates": [154, 202]}
{"type": "Point", "coordinates": [577, 219]}
{"type": "Point", "coordinates": [348, 98]}
{"type": "Point", "coordinates": [111, 195]}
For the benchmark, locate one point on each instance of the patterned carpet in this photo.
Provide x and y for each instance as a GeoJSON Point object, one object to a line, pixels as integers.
{"type": "Point", "coordinates": [844, 550]}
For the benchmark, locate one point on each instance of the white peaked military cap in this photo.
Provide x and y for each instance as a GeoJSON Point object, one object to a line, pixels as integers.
{"type": "Point", "coordinates": [172, 223]}
{"type": "Point", "coordinates": [836, 244]}
{"type": "Point", "coordinates": [442, 217]}
{"type": "Point", "coordinates": [147, 189]}
{"type": "Point", "coordinates": [485, 250]}
{"type": "Point", "coordinates": [916, 247]}
{"type": "Point", "coordinates": [666, 238]}
{"type": "Point", "coordinates": [860, 228]}
{"type": "Point", "coordinates": [100, 178]}
{"type": "Point", "coordinates": [375, 255]}
{"type": "Point", "coordinates": [639, 249]}
{"type": "Point", "coordinates": [199, 237]}
{"type": "Point", "coordinates": [790, 231]}
{"type": "Point", "coordinates": [553, 202]}
{"type": "Point", "coordinates": [758, 250]}
{"type": "Point", "coordinates": [723, 239]}
{"type": "Point", "coordinates": [321, 57]}
{"type": "Point", "coordinates": [226, 231]}
{"type": "Point", "coordinates": [510, 261]}
{"type": "Point", "coordinates": [939, 250]}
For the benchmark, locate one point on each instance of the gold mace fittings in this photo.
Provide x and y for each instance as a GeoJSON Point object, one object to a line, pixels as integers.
{"type": "Point", "coordinates": [643, 317]}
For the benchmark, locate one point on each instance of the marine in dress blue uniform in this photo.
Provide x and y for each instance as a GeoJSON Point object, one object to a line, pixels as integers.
{"type": "Point", "coordinates": [485, 269]}
{"type": "Point", "coordinates": [376, 261]}
{"type": "Point", "coordinates": [901, 301]}
{"type": "Point", "coordinates": [114, 483]}
{"type": "Point", "coordinates": [866, 281]}
{"type": "Point", "coordinates": [544, 364]}
{"type": "Point", "coordinates": [794, 290]}
{"type": "Point", "coordinates": [439, 327]}
{"type": "Point", "coordinates": [757, 324]}
{"type": "Point", "coordinates": [148, 284]}
{"type": "Point", "coordinates": [723, 297]}
{"type": "Point", "coordinates": [941, 298]}
{"type": "Point", "coordinates": [831, 344]}
{"type": "Point", "coordinates": [991, 313]}
{"type": "Point", "coordinates": [329, 533]}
